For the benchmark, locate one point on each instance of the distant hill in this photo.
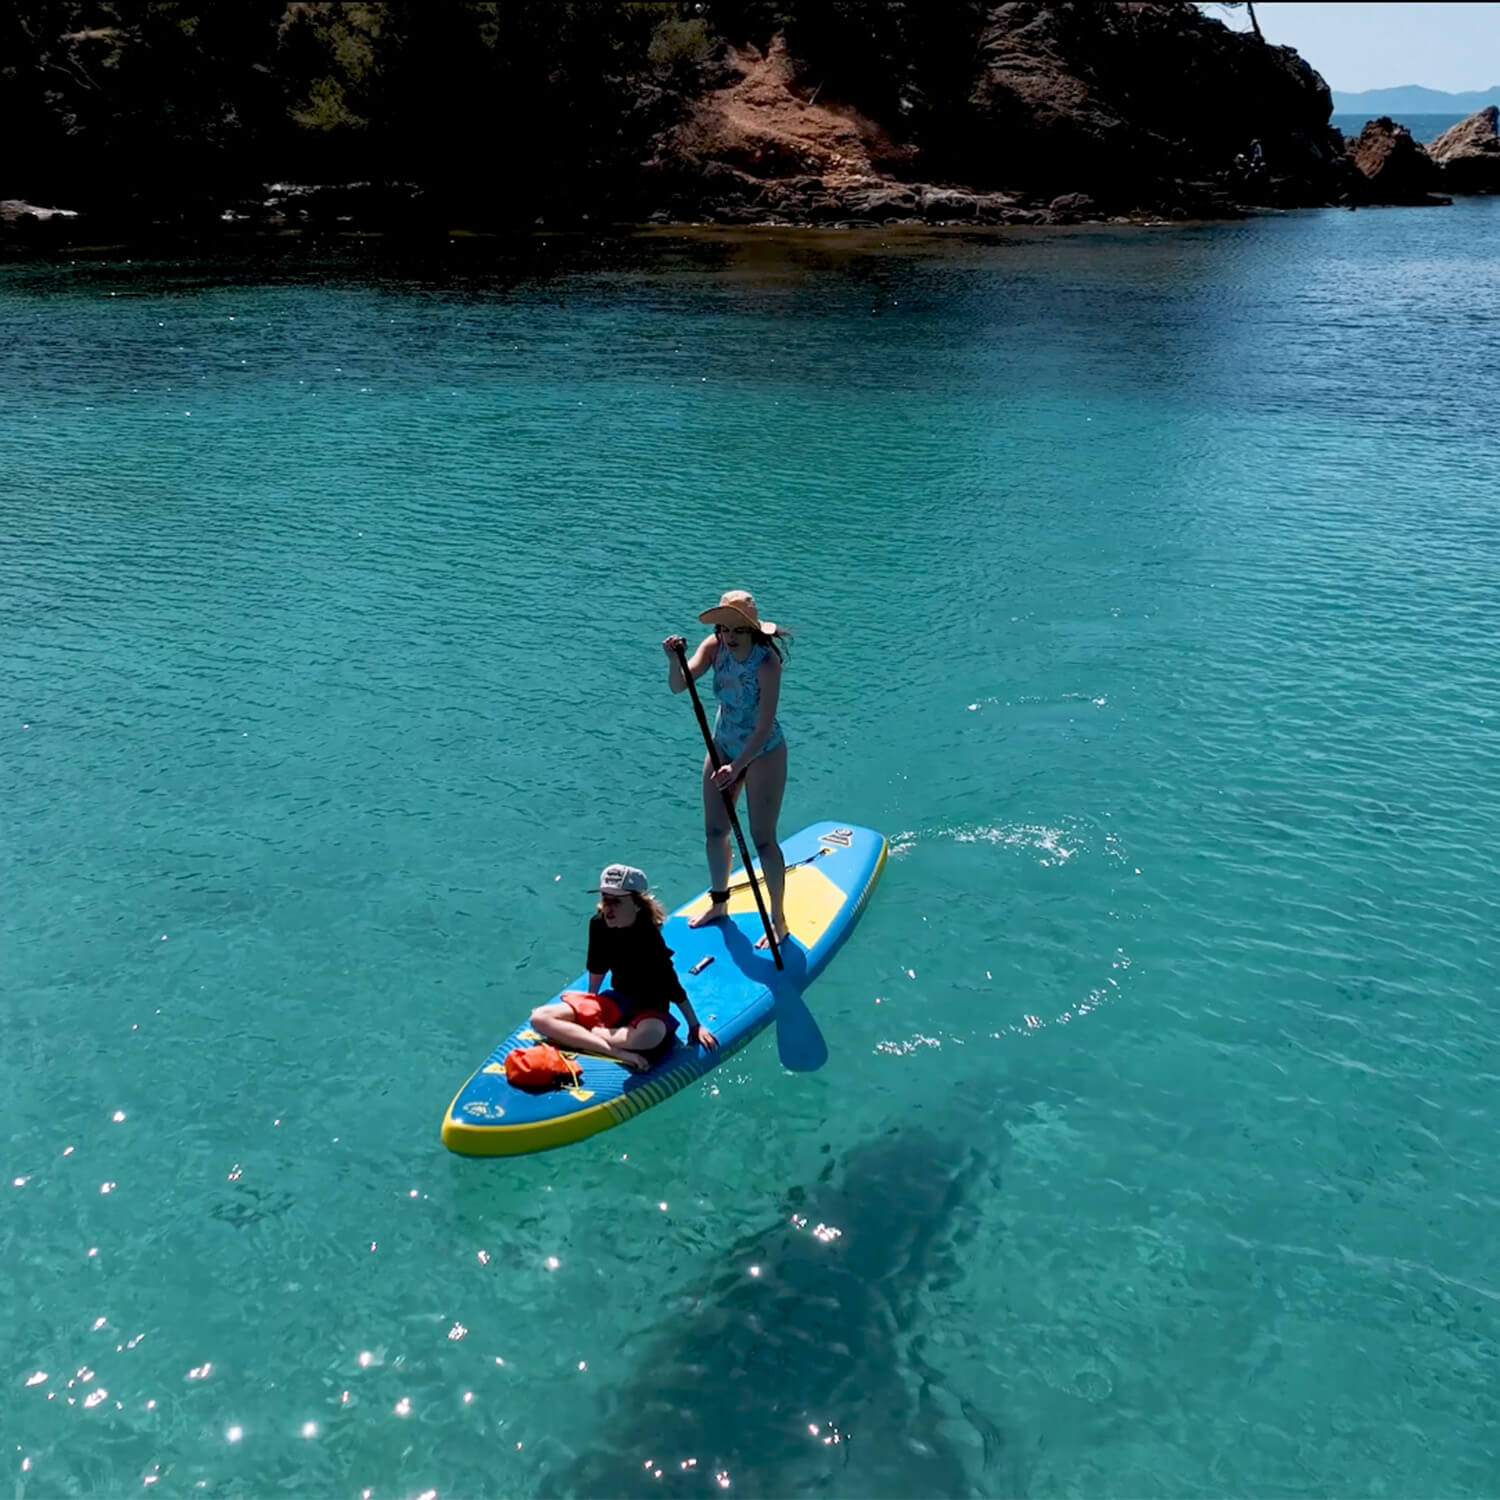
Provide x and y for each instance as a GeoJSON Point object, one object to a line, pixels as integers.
{"type": "Point", "coordinates": [1413, 99]}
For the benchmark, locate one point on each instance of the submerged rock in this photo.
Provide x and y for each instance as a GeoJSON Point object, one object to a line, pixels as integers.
{"type": "Point", "coordinates": [796, 1367]}
{"type": "Point", "coordinates": [1468, 153]}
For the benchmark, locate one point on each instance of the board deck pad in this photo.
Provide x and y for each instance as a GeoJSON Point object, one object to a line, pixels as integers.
{"type": "Point", "coordinates": [831, 870]}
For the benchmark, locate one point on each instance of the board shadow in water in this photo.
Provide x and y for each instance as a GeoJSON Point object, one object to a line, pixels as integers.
{"type": "Point", "coordinates": [798, 1370]}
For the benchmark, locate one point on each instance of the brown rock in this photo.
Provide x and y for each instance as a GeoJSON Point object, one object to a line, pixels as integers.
{"type": "Point", "coordinates": [944, 203]}
{"type": "Point", "coordinates": [15, 211]}
{"type": "Point", "coordinates": [1119, 102]}
{"type": "Point", "coordinates": [884, 201]}
{"type": "Point", "coordinates": [1469, 153]}
{"type": "Point", "coordinates": [22, 222]}
{"type": "Point", "coordinates": [764, 125]}
{"type": "Point", "coordinates": [1075, 204]}
{"type": "Point", "coordinates": [1395, 168]}
{"type": "Point", "coordinates": [996, 208]}
{"type": "Point", "coordinates": [1095, 110]}
{"type": "Point", "coordinates": [947, 205]}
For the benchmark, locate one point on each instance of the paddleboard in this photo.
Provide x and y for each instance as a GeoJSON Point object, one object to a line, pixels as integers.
{"type": "Point", "coordinates": [832, 868]}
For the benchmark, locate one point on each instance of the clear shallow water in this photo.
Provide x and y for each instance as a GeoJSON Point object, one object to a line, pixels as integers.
{"type": "Point", "coordinates": [1145, 585]}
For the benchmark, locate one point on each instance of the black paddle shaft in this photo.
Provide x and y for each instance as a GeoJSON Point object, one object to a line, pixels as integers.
{"type": "Point", "coordinates": [716, 760]}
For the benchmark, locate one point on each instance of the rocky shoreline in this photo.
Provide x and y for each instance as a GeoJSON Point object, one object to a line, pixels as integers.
{"type": "Point", "coordinates": [1036, 115]}
{"type": "Point", "coordinates": [1393, 169]}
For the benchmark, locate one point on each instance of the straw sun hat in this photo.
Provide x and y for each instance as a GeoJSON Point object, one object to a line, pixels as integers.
{"type": "Point", "coordinates": [737, 607]}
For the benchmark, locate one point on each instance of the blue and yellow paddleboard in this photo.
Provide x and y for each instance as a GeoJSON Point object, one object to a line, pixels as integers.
{"type": "Point", "coordinates": [831, 871]}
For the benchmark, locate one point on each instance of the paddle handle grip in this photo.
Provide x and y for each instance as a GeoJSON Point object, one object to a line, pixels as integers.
{"type": "Point", "coordinates": [716, 761]}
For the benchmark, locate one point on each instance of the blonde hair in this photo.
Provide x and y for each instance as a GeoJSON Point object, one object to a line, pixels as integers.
{"type": "Point", "coordinates": [647, 903]}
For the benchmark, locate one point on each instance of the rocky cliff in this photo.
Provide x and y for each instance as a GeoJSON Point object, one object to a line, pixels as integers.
{"type": "Point", "coordinates": [1060, 111]}
{"type": "Point", "coordinates": [418, 116]}
{"type": "Point", "coordinates": [1468, 154]}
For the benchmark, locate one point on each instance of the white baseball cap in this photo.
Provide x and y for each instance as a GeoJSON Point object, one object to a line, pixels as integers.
{"type": "Point", "coordinates": [622, 880]}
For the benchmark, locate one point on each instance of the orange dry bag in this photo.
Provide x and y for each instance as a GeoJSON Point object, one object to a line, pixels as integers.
{"type": "Point", "coordinates": [537, 1069]}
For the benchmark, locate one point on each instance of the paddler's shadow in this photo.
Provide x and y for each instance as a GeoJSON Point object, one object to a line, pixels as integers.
{"type": "Point", "coordinates": [757, 963]}
{"type": "Point", "coordinates": [799, 1042]}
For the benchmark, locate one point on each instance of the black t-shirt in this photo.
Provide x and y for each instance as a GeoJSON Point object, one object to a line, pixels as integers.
{"type": "Point", "coordinates": [638, 962]}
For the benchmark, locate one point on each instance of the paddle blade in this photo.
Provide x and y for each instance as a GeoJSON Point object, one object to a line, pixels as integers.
{"type": "Point", "coordinates": [799, 1042]}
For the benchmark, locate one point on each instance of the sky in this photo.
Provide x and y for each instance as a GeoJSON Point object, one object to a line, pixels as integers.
{"type": "Point", "coordinates": [1380, 46]}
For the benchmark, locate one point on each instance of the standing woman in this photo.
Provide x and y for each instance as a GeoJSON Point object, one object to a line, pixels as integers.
{"type": "Point", "coordinates": [745, 653]}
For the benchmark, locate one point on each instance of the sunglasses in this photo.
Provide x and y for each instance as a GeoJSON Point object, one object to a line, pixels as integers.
{"type": "Point", "coordinates": [736, 630]}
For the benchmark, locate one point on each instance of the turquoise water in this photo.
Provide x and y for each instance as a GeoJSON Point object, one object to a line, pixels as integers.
{"type": "Point", "coordinates": [1145, 589]}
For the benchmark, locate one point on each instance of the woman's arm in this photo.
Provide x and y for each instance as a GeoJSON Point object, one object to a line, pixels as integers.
{"type": "Point", "coordinates": [697, 1032]}
{"type": "Point", "coordinates": [597, 962]}
{"type": "Point", "coordinates": [698, 663]}
{"type": "Point", "coordinates": [675, 994]}
{"type": "Point", "coordinates": [769, 675]}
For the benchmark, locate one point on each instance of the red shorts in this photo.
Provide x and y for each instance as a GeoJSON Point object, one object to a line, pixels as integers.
{"type": "Point", "coordinates": [602, 1012]}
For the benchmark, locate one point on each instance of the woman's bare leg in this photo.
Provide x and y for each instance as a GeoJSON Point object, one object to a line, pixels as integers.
{"type": "Point", "coordinates": [716, 842]}
{"type": "Point", "coordinates": [765, 785]}
{"type": "Point", "coordinates": [558, 1024]}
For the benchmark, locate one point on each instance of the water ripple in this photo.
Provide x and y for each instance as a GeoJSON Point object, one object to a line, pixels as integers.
{"type": "Point", "coordinates": [1144, 586]}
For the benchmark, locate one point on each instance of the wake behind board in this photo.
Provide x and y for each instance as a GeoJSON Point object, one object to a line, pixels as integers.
{"type": "Point", "coordinates": [831, 870]}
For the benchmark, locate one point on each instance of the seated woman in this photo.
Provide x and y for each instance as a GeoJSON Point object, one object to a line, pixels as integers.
{"type": "Point", "coordinates": [629, 1021]}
